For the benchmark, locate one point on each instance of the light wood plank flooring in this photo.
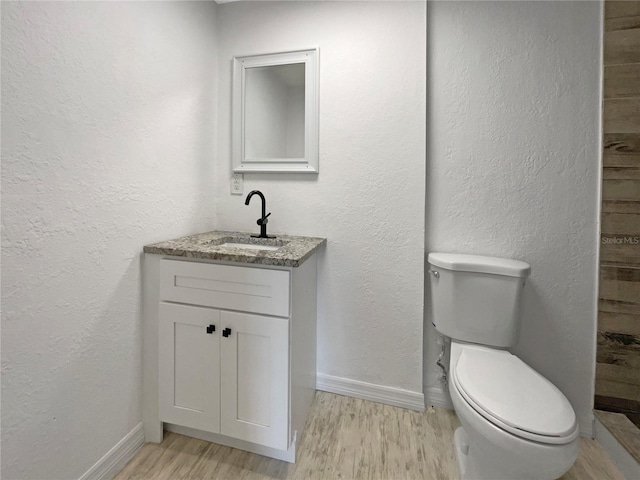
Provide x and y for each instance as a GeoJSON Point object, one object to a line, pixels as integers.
{"type": "Point", "coordinates": [623, 429]}
{"type": "Point", "coordinates": [345, 438]}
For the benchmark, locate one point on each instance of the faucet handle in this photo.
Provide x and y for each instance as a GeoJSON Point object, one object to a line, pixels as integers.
{"type": "Point", "coordinates": [264, 220]}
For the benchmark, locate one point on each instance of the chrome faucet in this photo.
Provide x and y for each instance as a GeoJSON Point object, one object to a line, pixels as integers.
{"type": "Point", "coordinates": [263, 220]}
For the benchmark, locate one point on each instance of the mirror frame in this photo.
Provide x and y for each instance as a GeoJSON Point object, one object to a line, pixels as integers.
{"type": "Point", "coordinates": [307, 164]}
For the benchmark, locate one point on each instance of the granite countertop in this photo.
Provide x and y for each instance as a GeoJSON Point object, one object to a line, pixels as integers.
{"type": "Point", "coordinates": [292, 251]}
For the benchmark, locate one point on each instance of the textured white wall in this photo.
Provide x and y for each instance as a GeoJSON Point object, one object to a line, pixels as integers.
{"type": "Point", "coordinates": [107, 128]}
{"type": "Point", "coordinates": [107, 132]}
{"type": "Point", "coordinates": [513, 162]}
{"type": "Point", "coordinates": [368, 199]}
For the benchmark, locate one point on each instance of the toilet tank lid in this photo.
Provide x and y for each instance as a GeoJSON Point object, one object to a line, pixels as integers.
{"type": "Point", "coordinates": [480, 264]}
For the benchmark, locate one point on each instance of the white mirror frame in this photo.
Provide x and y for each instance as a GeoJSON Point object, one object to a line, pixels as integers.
{"type": "Point", "coordinates": [308, 164]}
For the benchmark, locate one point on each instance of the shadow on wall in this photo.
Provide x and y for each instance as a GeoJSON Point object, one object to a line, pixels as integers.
{"type": "Point", "coordinates": [539, 333]}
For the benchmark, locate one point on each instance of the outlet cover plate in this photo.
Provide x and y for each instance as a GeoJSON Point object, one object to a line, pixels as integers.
{"type": "Point", "coordinates": [237, 184]}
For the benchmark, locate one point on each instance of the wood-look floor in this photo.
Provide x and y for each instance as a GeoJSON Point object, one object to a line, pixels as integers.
{"type": "Point", "coordinates": [624, 431]}
{"type": "Point", "coordinates": [345, 438]}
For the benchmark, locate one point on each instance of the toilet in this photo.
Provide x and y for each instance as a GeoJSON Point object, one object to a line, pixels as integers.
{"type": "Point", "coordinates": [516, 424]}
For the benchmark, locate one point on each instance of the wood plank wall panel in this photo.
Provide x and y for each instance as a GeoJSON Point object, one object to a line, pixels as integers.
{"type": "Point", "coordinates": [620, 10]}
{"type": "Point", "coordinates": [618, 253]}
{"type": "Point", "coordinates": [621, 149]}
{"type": "Point", "coordinates": [620, 81]}
{"type": "Point", "coordinates": [621, 115]}
{"type": "Point", "coordinates": [621, 33]}
{"type": "Point", "coordinates": [618, 355]}
{"type": "Point", "coordinates": [622, 46]}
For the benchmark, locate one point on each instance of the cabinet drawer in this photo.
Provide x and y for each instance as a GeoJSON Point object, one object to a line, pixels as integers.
{"type": "Point", "coordinates": [247, 289]}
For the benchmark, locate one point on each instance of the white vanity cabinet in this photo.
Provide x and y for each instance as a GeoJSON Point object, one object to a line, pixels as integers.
{"type": "Point", "coordinates": [225, 372]}
{"type": "Point", "coordinates": [189, 366]}
{"type": "Point", "coordinates": [255, 379]}
{"type": "Point", "coordinates": [235, 352]}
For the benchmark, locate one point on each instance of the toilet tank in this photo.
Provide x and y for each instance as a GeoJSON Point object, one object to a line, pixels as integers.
{"type": "Point", "coordinates": [477, 299]}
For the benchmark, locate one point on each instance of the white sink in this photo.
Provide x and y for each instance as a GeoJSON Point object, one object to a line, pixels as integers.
{"type": "Point", "coordinates": [249, 246]}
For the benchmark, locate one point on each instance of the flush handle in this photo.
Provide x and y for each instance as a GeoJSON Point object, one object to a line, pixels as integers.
{"type": "Point", "coordinates": [226, 332]}
{"type": "Point", "coordinates": [435, 273]}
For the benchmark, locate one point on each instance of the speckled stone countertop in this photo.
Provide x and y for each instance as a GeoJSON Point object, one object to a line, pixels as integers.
{"type": "Point", "coordinates": [293, 250]}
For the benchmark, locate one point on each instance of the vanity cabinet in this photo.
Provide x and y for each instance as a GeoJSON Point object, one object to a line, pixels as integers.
{"type": "Point", "coordinates": [255, 379]}
{"type": "Point", "coordinates": [189, 366]}
{"type": "Point", "coordinates": [225, 372]}
{"type": "Point", "coordinates": [229, 351]}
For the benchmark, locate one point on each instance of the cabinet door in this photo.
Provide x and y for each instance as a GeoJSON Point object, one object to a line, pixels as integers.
{"type": "Point", "coordinates": [190, 366]}
{"type": "Point", "coordinates": [255, 378]}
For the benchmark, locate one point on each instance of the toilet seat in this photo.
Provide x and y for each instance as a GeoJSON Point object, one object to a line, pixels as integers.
{"type": "Point", "coordinates": [511, 395]}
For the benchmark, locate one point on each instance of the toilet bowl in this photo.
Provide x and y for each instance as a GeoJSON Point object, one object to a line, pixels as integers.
{"type": "Point", "coordinates": [516, 425]}
{"type": "Point", "coordinates": [505, 438]}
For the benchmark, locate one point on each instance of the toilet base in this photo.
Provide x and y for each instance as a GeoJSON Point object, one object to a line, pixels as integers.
{"type": "Point", "coordinates": [462, 451]}
{"type": "Point", "coordinates": [470, 465]}
{"type": "Point", "coordinates": [474, 464]}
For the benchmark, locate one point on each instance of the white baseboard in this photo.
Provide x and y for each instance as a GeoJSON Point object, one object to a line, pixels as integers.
{"type": "Point", "coordinates": [370, 391]}
{"type": "Point", "coordinates": [438, 397]}
{"type": "Point", "coordinates": [116, 458]}
{"type": "Point", "coordinates": [622, 459]}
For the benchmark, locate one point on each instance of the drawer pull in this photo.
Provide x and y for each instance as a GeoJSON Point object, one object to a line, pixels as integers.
{"type": "Point", "coordinates": [226, 332]}
{"type": "Point", "coordinates": [211, 329]}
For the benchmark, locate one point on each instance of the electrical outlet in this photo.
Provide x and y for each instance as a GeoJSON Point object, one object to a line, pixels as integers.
{"type": "Point", "coordinates": [237, 184]}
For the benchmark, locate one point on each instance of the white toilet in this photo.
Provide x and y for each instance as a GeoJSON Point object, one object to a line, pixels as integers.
{"type": "Point", "coordinates": [516, 424]}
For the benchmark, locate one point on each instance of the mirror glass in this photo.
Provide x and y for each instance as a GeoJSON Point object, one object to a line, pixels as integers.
{"type": "Point", "coordinates": [275, 112]}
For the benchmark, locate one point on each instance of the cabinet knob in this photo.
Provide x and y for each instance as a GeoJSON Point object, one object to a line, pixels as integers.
{"type": "Point", "coordinates": [226, 332]}
{"type": "Point", "coordinates": [211, 329]}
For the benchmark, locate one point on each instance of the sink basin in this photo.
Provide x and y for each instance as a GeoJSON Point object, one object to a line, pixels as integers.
{"type": "Point", "coordinates": [249, 246]}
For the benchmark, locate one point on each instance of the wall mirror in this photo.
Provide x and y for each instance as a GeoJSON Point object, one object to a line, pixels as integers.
{"type": "Point", "coordinates": [275, 112]}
